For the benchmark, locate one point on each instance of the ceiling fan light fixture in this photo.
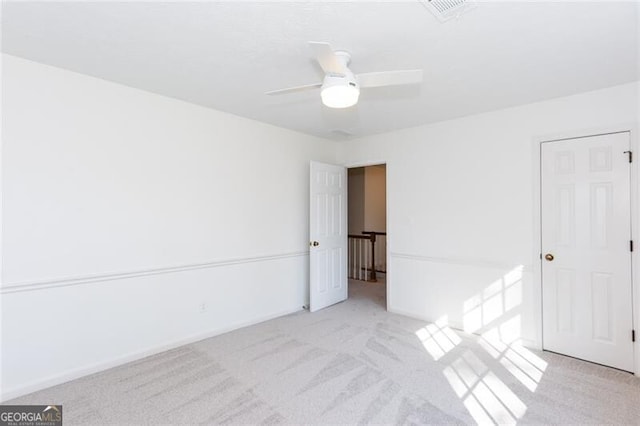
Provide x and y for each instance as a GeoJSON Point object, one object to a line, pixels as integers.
{"type": "Point", "coordinates": [340, 96]}
{"type": "Point", "coordinates": [340, 87]}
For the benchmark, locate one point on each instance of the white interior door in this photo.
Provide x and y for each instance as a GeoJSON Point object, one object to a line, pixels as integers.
{"type": "Point", "coordinates": [586, 254]}
{"type": "Point", "coordinates": [328, 235]}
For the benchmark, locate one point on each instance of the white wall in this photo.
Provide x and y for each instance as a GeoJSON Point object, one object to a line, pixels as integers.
{"type": "Point", "coordinates": [461, 209]}
{"type": "Point", "coordinates": [375, 198]}
{"type": "Point", "coordinates": [367, 199]}
{"type": "Point", "coordinates": [126, 213]}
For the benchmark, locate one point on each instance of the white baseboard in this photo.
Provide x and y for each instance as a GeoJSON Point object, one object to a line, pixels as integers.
{"type": "Point", "coordinates": [527, 343]}
{"type": "Point", "coordinates": [412, 315]}
{"type": "Point", "coordinates": [77, 373]}
{"type": "Point", "coordinates": [531, 344]}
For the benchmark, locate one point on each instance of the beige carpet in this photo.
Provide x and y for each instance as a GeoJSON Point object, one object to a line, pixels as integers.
{"type": "Point", "coordinates": [353, 363]}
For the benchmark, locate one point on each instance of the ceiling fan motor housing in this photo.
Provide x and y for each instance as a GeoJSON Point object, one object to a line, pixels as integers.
{"type": "Point", "coordinates": [348, 79]}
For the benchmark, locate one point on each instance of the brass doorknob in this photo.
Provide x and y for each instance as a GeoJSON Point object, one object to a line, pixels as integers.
{"type": "Point", "coordinates": [549, 257]}
{"type": "Point", "coordinates": [314, 243]}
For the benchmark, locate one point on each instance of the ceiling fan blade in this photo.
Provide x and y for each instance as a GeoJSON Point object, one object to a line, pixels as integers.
{"type": "Point", "coordinates": [389, 78]}
{"type": "Point", "coordinates": [294, 89]}
{"type": "Point", "coordinates": [326, 57]}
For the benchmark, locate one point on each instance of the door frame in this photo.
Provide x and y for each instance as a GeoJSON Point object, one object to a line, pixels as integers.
{"type": "Point", "coordinates": [386, 179]}
{"type": "Point", "coordinates": [536, 263]}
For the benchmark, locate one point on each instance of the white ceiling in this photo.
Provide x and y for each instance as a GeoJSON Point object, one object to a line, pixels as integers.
{"type": "Point", "coordinates": [224, 55]}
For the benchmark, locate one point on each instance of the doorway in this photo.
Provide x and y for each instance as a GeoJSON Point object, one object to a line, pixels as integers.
{"type": "Point", "coordinates": [587, 295]}
{"type": "Point", "coordinates": [367, 233]}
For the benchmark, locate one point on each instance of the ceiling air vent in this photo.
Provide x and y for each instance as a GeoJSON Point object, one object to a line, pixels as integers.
{"type": "Point", "coordinates": [448, 9]}
{"type": "Point", "coordinates": [341, 133]}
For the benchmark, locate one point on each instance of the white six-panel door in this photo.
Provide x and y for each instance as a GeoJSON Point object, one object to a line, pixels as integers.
{"type": "Point", "coordinates": [586, 257]}
{"type": "Point", "coordinates": [328, 235]}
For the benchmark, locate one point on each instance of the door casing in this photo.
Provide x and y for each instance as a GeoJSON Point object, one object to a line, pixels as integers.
{"type": "Point", "coordinates": [388, 260]}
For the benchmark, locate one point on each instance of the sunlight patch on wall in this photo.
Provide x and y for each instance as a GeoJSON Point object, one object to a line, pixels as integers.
{"type": "Point", "coordinates": [437, 338]}
{"type": "Point", "coordinates": [494, 313]}
{"type": "Point", "coordinates": [485, 396]}
{"type": "Point", "coordinates": [500, 297]}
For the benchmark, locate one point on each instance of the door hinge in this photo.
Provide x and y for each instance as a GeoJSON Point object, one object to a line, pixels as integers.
{"type": "Point", "coordinates": [630, 155]}
{"type": "Point", "coordinates": [633, 335]}
{"type": "Point", "coordinates": [631, 245]}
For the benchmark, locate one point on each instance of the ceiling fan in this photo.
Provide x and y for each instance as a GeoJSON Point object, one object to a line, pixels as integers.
{"type": "Point", "coordinates": [341, 87]}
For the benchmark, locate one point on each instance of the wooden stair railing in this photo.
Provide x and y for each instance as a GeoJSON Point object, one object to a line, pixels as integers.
{"type": "Point", "coordinates": [356, 254]}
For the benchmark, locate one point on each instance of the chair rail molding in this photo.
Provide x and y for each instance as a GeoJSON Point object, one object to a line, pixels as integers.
{"type": "Point", "coordinates": [8, 288]}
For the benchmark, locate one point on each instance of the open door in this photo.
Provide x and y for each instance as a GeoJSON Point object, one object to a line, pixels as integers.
{"type": "Point", "coordinates": [328, 235]}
